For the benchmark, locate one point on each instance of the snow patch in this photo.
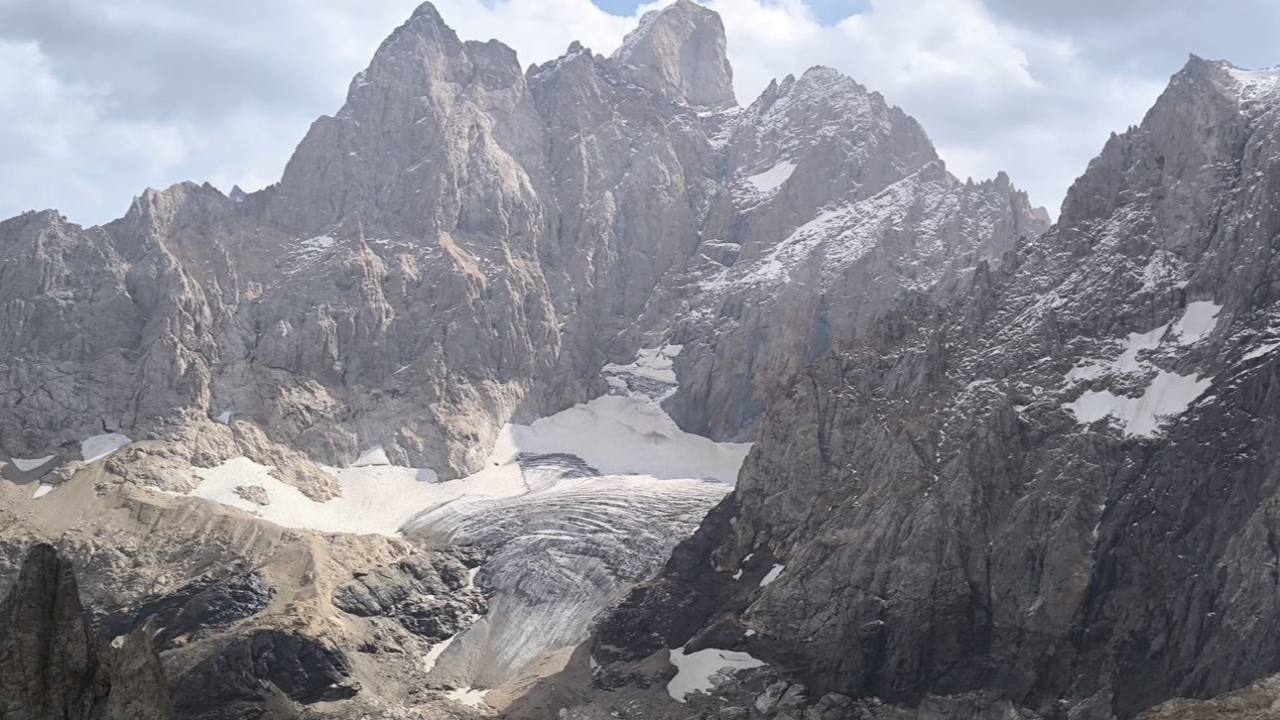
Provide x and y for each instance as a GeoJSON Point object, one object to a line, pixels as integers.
{"type": "Point", "coordinates": [97, 447]}
{"type": "Point", "coordinates": [435, 651]}
{"type": "Point", "coordinates": [375, 455]}
{"type": "Point", "coordinates": [317, 243]}
{"type": "Point", "coordinates": [1137, 342]}
{"type": "Point", "coordinates": [224, 417]}
{"type": "Point", "coordinates": [701, 671]}
{"type": "Point", "coordinates": [42, 490]}
{"type": "Point", "coordinates": [468, 696]}
{"type": "Point", "coordinates": [653, 363]}
{"type": "Point", "coordinates": [1166, 397]}
{"type": "Point", "coordinates": [1265, 349]}
{"type": "Point", "coordinates": [772, 575]}
{"type": "Point", "coordinates": [770, 180]}
{"type": "Point", "coordinates": [1199, 320]}
{"type": "Point", "coordinates": [28, 464]}
{"type": "Point", "coordinates": [1127, 362]}
{"type": "Point", "coordinates": [375, 499]}
{"type": "Point", "coordinates": [629, 435]}
{"type": "Point", "coordinates": [1088, 371]}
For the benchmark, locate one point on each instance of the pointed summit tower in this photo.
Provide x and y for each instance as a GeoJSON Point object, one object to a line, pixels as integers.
{"type": "Point", "coordinates": [679, 52]}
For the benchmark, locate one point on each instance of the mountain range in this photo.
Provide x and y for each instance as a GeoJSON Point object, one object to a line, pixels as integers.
{"type": "Point", "coordinates": [582, 391]}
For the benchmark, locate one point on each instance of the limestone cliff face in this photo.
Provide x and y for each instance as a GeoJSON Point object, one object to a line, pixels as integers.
{"type": "Point", "coordinates": [464, 244]}
{"type": "Point", "coordinates": [1055, 481]}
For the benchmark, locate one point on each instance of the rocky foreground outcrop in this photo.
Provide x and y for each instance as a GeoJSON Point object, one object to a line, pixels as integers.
{"type": "Point", "coordinates": [1259, 701]}
{"type": "Point", "coordinates": [251, 620]}
{"type": "Point", "coordinates": [54, 667]}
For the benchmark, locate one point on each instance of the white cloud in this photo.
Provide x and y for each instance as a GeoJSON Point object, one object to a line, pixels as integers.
{"type": "Point", "coordinates": [56, 140]}
{"type": "Point", "coordinates": [122, 94]}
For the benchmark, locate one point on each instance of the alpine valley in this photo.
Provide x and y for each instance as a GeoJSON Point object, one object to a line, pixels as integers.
{"type": "Point", "coordinates": [583, 392]}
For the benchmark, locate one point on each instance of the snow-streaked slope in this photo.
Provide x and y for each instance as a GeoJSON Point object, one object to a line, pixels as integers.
{"type": "Point", "coordinates": [1256, 85]}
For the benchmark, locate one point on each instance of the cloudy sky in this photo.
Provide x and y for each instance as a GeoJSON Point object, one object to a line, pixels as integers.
{"type": "Point", "coordinates": [102, 98]}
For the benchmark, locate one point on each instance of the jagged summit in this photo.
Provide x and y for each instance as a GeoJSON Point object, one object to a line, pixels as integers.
{"type": "Point", "coordinates": [1203, 123]}
{"type": "Point", "coordinates": [427, 11]}
{"type": "Point", "coordinates": [1249, 88]}
{"type": "Point", "coordinates": [679, 51]}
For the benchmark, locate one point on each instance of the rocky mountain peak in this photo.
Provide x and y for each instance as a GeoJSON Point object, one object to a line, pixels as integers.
{"type": "Point", "coordinates": [679, 52]}
{"type": "Point", "coordinates": [1076, 381]}
{"type": "Point", "coordinates": [426, 12]}
{"type": "Point", "coordinates": [1240, 91]}
{"type": "Point", "coordinates": [1198, 128]}
{"type": "Point", "coordinates": [1237, 82]}
{"type": "Point", "coordinates": [412, 110]}
{"type": "Point", "coordinates": [422, 49]}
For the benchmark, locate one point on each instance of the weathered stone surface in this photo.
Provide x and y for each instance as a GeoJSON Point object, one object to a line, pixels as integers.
{"type": "Point", "coordinates": [52, 666]}
{"type": "Point", "coordinates": [202, 607]}
{"type": "Point", "coordinates": [937, 511]}
{"type": "Point", "coordinates": [1259, 701]}
{"type": "Point", "coordinates": [234, 682]}
{"type": "Point", "coordinates": [430, 596]}
{"type": "Point", "coordinates": [680, 53]}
